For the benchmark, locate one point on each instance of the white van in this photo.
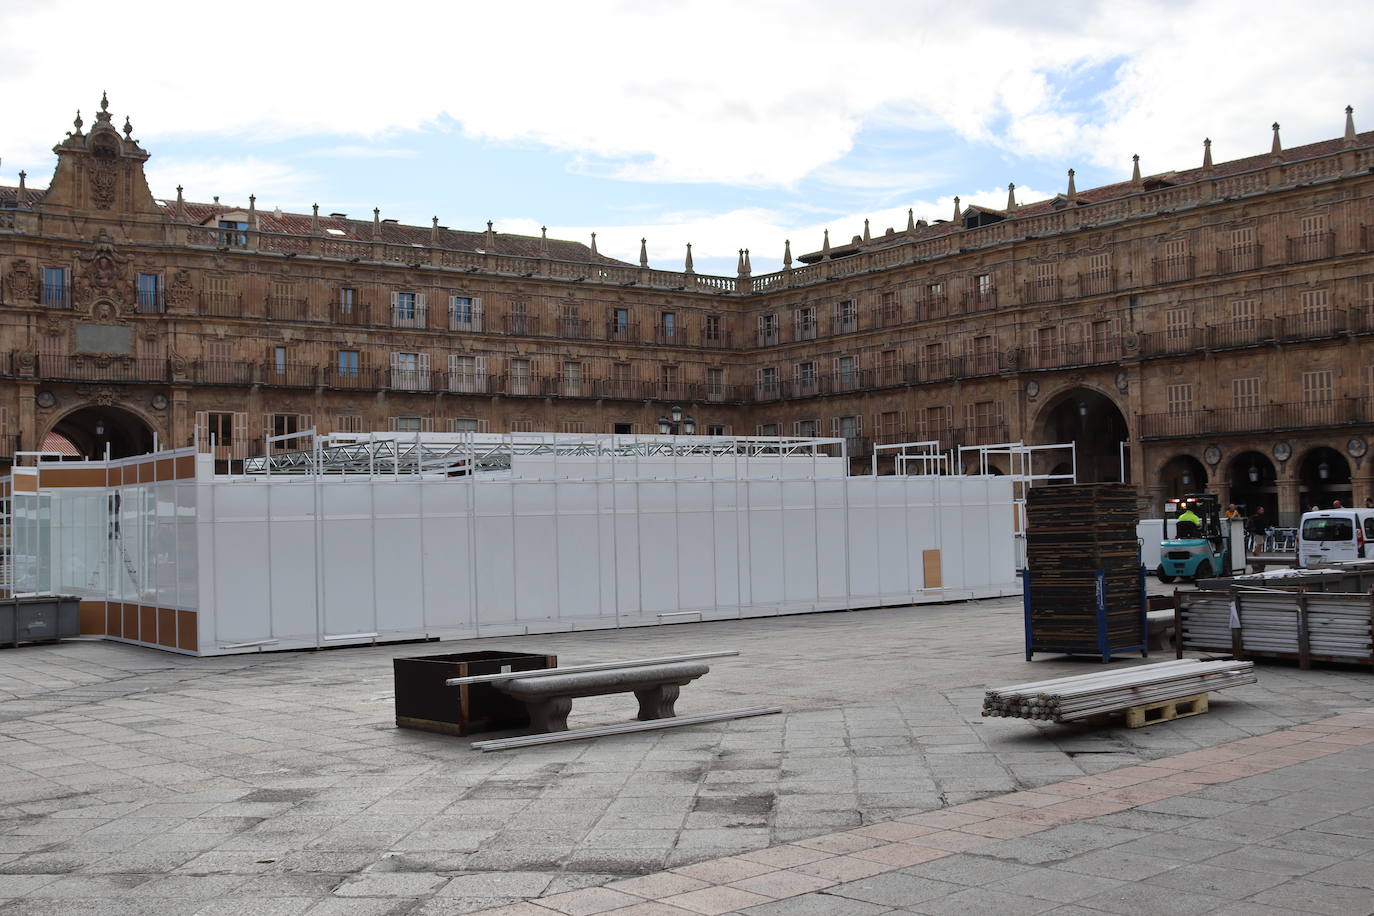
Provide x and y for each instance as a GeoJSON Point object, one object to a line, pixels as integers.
{"type": "Point", "coordinates": [1335, 534]}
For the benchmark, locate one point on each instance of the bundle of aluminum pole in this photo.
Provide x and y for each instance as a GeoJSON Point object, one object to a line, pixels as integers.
{"type": "Point", "coordinates": [1078, 697]}
{"type": "Point", "coordinates": [1338, 625]}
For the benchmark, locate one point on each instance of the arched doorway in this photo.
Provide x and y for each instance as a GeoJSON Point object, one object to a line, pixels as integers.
{"type": "Point", "coordinates": [1181, 475]}
{"type": "Point", "coordinates": [91, 429]}
{"type": "Point", "coordinates": [1094, 423]}
{"type": "Point", "coordinates": [1254, 484]}
{"type": "Point", "coordinates": [1323, 477]}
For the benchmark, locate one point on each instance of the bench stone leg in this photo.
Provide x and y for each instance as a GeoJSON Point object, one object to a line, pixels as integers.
{"type": "Point", "coordinates": [657, 702]}
{"type": "Point", "coordinates": [549, 715]}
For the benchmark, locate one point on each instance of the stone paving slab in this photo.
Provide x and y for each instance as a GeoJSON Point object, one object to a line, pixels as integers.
{"type": "Point", "coordinates": [161, 781]}
{"type": "Point", "coordinates": [1082, 863]}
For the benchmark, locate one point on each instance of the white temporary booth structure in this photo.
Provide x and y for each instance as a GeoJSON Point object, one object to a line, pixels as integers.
{"type": "Point", "coordinates": [364, 539]}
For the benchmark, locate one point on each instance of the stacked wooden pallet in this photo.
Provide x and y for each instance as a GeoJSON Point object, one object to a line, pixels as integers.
{"type": "Point", "coordinates": [1083, 586]}
{"type": "Point", "coordinates": [1068, 698]}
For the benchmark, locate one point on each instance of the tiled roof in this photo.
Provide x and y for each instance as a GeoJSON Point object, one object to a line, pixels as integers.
{"type": "Point", "coordinates": [396, 233]}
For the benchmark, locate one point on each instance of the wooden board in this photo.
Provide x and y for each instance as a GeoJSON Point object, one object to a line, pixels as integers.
{"type": "Point", "coordinates": [1166, 710]}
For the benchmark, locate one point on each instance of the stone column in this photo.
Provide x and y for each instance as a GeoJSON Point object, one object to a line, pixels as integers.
{"type": "Point", "coordinates": [1289, 510]}
{"type": "Point", "coordinates": [181, 427]}
{"type": "Point", "coordinates": [27, 420]}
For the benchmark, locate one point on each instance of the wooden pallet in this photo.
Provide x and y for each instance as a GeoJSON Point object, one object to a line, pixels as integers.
{"type": "Point", "coordinates": [1166, 710]}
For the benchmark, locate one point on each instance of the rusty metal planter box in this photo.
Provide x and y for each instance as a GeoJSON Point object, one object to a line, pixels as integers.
{"type": "Point", "coordinates": [424, 701]}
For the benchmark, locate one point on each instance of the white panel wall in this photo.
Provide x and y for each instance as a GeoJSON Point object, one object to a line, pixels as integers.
{"type": "Point", "coordinates": [410, 557]}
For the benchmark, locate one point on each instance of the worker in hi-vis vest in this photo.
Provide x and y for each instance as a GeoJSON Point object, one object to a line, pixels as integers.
{"type": "Point", "coordinates": [1189, 525]}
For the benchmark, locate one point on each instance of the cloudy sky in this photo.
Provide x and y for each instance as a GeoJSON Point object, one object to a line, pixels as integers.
{"type": "Point", "coordinates": [723, 124]}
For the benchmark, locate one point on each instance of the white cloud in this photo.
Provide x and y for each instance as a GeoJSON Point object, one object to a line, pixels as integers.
{"type": "Point", "coordinates": [232, 180]}
{"type": "Point", "coordinates": [760, 94]}
{"type": "Point", "coordinates": [359, 151]}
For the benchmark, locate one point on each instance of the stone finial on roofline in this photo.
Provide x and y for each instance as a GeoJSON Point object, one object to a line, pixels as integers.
{"type": "Point", "coordinates": [910, 219]}
{"type": "Point", "coordinates": [1349, 139]}
{"type": "Point", "coordinates": [787, 253]}
{"type": "Point", "coordinates": [77, 122]}
{"type": "Point", "coordinates": [1135, 170]}
{"type": "Point", "coordinates": [23, 179]}
{"type": "Point", "coordinates": [748, 265]}
{"type": "Point", "coordinates": [181, 206]}
{"type": "Point", "coordinates": [1011, 196]}
{"type": "Point", "coordinates": [543, 241]}
{"type": "Point", "coordinates": [1072, 192]}
{"type": "Point", "coordinates": [643, 252]}
{"type": "Point", "coordinates": [825, 244]}
{"type": "Point", "coordinates": [867, 237]}
{"type": "Point", "coordinates": [315, 219]}
{"type": "Point", "coordinates": [491, 237]}
{"type": "Point", "coordinates": [1277, 148]}
{"type": "Point", "coordinates": [957, 211]}
{"type": "Point", "coordinates": [434, 230]}
{"type": "Point", "coordinates": [739, 264]}
{"type": "Point", "coordinates": [252, 211]}
{"type": "Point", "coordinates": [128, 129]}
{"type": "Point", "coordinates": [687, 267]}
{"type": "Point", "coordinates": [376, 223]}
{"type": "Point", "coordinates": [594, 243]}
{"type": "Point", "coordinates": [1207, 155]}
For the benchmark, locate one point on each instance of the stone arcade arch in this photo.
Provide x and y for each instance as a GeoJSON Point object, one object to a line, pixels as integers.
{"type": "Point", "coordinates": [1254, 483]}
{"type": "Point", "coordinates": [1183, 474]}
{"type": "Point", "coordinates": [1094, 422]}
{"type": "Point", "coordinates": [1323, 476]}
{"type": "Point", "coordinates": [92, 427]}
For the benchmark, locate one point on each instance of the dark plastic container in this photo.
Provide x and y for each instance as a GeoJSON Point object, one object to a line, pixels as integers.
{"type": "Point", "coordinates": [41, 619]}
{"type": "Point", "coordinates": [424, 701]}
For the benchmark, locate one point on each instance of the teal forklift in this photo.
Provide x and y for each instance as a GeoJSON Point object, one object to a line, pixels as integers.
{"type": "Point", "coordinates": [1196, 550]}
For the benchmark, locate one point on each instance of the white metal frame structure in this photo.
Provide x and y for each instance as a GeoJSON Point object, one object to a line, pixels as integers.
{"type": "Point", "coordinates": [1021, 471]}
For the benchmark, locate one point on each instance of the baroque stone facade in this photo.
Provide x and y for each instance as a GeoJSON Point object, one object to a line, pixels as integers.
{"type": "Point", "coordinates": [1216, 320]}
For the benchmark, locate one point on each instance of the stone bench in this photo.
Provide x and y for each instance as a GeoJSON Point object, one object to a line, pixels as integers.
{"type": "Point", "coordinates": [549, 699]}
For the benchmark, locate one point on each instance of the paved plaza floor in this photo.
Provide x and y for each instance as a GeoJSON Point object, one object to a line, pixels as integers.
{"type": "Point", "coordinates": [135, 781]}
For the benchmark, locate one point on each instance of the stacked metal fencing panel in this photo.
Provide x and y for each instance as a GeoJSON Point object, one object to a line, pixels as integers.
{"type": "Point", "coordinates": [1276, 623]}
{"type": "Point", "coordinates": [1084, 588]}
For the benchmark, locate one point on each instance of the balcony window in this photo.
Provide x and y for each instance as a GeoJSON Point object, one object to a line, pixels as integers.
{"type": "Point", "coordinates": [519, 376]}
{"type": "Point", "coordinates": [348, 363]}
{"type": "Point", "coordinates": [407, 310]}
{"type": "Point", "coordinates": [346, 300]}
{"type": "Point", "coordinates": [668, 325]}
{"type": "Point", "coordinates": [55, 289]}
{"type": "Point", "coordinates": [465, 314]}
{"type": "Point", "coordinates": [715, 383]}
{"type": "Point", "coordinates": [149, 290]}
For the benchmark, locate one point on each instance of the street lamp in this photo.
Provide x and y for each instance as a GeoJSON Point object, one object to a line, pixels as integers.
{"type": "Point", "coordinates": [675, 423]}
{"type": "Point", "coordinates": [1323, 470]}
{"type": "Point", "coordinates": [1187, 477]}
{"type": "Point", "coordinates": [1253, 474]}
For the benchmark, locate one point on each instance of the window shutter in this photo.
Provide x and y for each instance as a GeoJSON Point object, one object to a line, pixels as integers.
{"type": "Point", "coordinates": [476, 314]}
{"type": "Point", "coordinates": [240, 435]}
{"type": "Point", "coordinates": [422, 371]}
{"type": "Point", "coordinates": [426, 424]}
{"type": "Point", "coordinates": [395, 301]}
{"type": "Point", "coordinates": [834, 427]}
{"type": "Point", "coordinates": [420, 309]}
{"type": "Point", "coordinates": [203, 430]}
{"type": "Point", "coordinates": [479, 382]}
{"type": "Point", "coordinates": [484, 426]}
